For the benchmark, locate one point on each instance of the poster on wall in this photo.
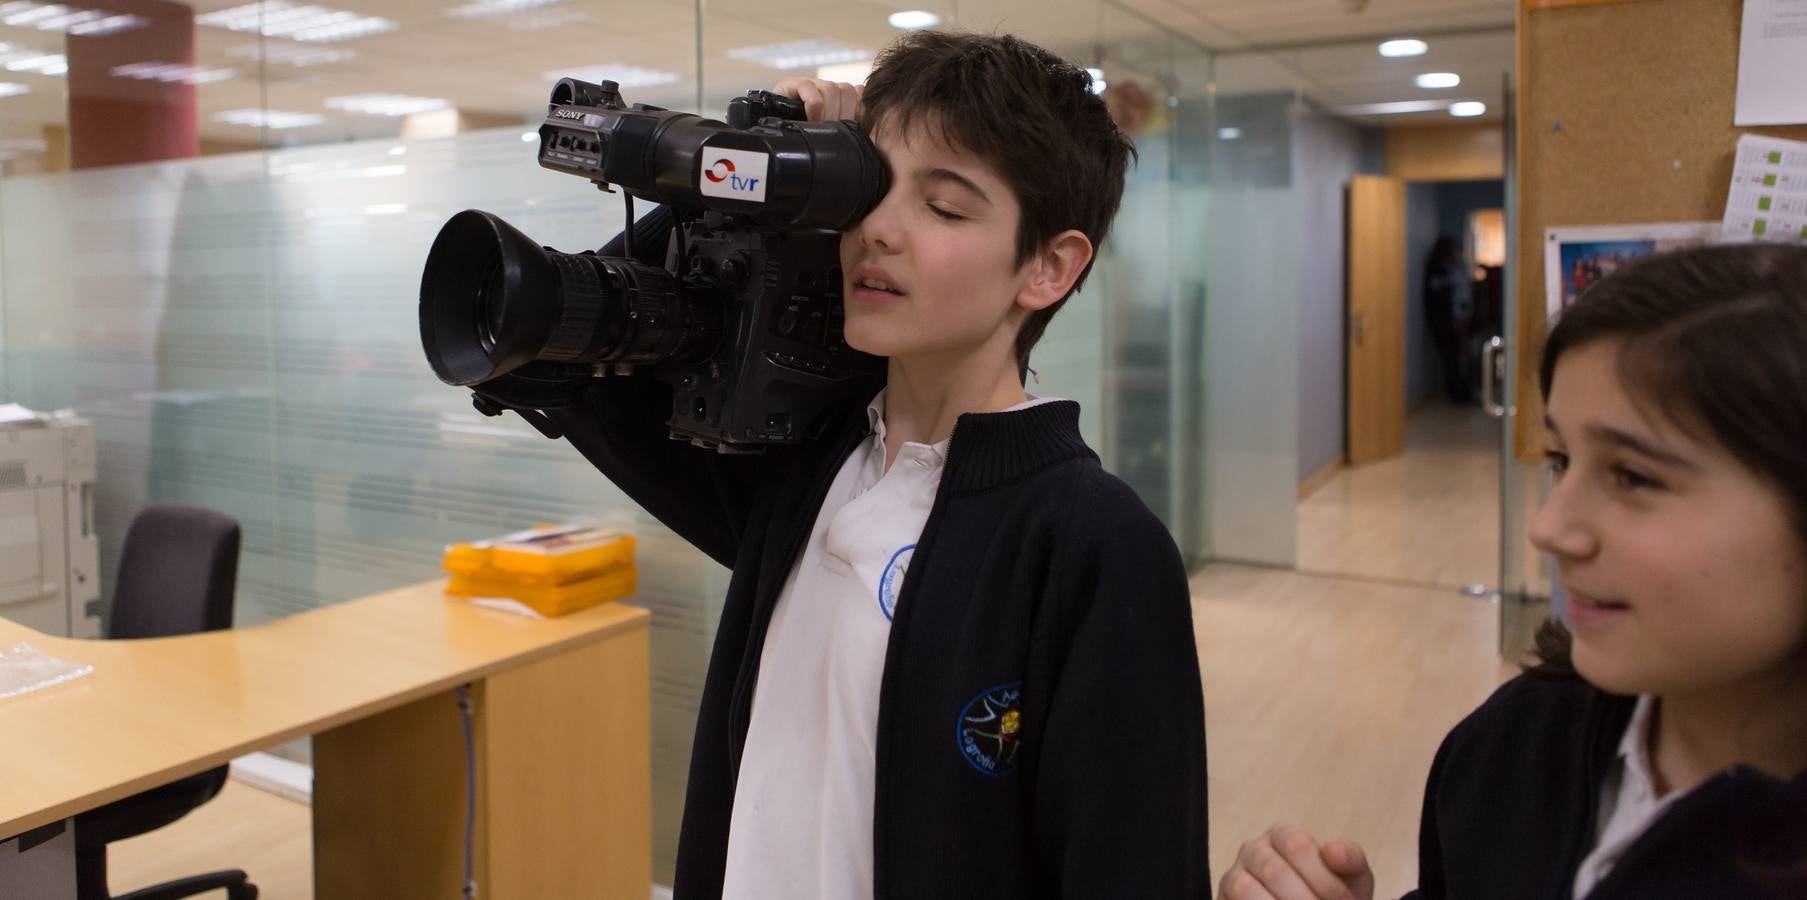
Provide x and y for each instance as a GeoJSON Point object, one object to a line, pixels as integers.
{"type": "Point", "coordinates": [1772, 63]}
{"type": "Point", "coordinates": [1768, 199]}
{"type": "Point", "coordinates": [1575, 258]}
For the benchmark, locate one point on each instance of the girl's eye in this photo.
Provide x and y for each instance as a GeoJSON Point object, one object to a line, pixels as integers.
{"type": "Point", "coordinates": [951, 216]}
{"type": "Point", "coordinates": [1557, 460]}
{"type": "Point", "coordinates": [1633, 480]}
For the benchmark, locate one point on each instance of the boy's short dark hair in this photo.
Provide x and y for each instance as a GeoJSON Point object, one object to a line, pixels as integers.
{"type": "Point", "coordinates": [1028, 114]}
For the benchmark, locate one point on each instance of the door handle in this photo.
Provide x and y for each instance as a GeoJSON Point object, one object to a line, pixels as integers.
{"type": "Point", "coordinates": [1490, 377]}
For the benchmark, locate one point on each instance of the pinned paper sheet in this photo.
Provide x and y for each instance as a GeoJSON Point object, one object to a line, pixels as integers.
{"type": "Point", "coordinates": [1772, 63]}
{"type": "Point", "coordinates": [1768, 199]}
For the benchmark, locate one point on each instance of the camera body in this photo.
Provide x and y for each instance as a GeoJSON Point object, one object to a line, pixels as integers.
{"type": "Point", "coordinates": [782, 361]}
{"type": "Point", "coordinates": [743, 318]}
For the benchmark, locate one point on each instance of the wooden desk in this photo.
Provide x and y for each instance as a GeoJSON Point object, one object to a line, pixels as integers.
{"type": "Point", "coordinates": [561, 729]}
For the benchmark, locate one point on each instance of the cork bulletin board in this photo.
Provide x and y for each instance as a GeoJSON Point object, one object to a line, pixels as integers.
{"type": "Point", "coordinates": [1624, 117]}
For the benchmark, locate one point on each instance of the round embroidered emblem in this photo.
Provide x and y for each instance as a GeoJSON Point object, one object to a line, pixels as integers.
{"type": "Point", "coordinates": [890, 584]}
{"type": "Point", "coordinates": [989, 732]}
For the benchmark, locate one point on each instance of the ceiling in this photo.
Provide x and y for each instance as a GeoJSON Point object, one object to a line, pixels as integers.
{"type": "Point", "coordinates": [498, 66]}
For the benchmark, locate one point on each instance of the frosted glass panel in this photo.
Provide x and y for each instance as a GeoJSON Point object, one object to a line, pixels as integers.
{"type": "Point", "coordinates": [243, 331]}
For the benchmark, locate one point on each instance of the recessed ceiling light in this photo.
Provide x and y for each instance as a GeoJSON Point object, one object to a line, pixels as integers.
{"type": "Point", "coordinates": [1468, 109]}
{"type": "Point", "coordinates": [1434, 80]}
{"type": "Point", "coordinates": [624, 76]}
{"type": "Point", "coordinates": [913, 19]}
{"type": "Point", "coordinates": [13, 89]}
{"type": "Point", "coordinates": [298, 55]}
{"type": "Point", "coordinates": [387, 104]}
{"type": "Point", "coordinates": [1098, 82]}
{"type": "Point", "coordinates": [41, 63]}
{"type": "Point", "coordinates": [268, 118]}
{"type": "Point", "coordinates": [1228, 134]}
{"type": "Point", "coordinates": [1403, 47]}
{"type": "Point", "coordinates": [312, 24]}
{"type": "Point", "coordinates": [1393, 108]}
{"type": "Point", "coordinates": [489, 9]}
{"type": "Point", "coordinates": [799, 54]}
{"type": "Point", "coordinates": [170, 73]}
{"type": "Point", "coordinates": [528, 137]}
{"type": "Point", "coordinates": [66, 19]}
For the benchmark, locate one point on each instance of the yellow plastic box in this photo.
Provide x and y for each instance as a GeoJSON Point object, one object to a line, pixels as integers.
{"type": "Point", "coordinates": [546, 556]}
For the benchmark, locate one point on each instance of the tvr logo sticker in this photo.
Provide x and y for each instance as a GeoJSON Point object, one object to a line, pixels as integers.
{"type": "Point", "coordinates": [732, 174]}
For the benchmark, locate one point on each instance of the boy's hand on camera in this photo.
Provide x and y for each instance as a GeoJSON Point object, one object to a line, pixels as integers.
{"type": "Point", "coordinates": [824, 101]}
{"type": "Point", "coordinates": [1286, 863]}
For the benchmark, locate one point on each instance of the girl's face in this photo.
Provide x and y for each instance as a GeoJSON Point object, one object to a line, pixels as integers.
{"type": "Point", "coordinates": [1683, 569]}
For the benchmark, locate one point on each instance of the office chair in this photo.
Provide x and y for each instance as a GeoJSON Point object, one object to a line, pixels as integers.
{"type": "Point", "coordinates": [176, 576]}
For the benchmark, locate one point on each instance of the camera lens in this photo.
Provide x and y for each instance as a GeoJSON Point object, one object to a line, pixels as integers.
{"type": "Point", "coordinates": [492, 301]}
{"type": "Point", "coordinates": [492, 305]}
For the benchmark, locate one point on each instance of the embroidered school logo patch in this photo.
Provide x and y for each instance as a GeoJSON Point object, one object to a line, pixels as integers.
{"type": "Point", "coordinates": [890, 584]}
{"type": "Point", "coordinates": [990, 729]}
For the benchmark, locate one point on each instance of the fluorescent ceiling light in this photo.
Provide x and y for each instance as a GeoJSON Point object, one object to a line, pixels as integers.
{"type": "Point", "coordinates": [1393, 108]}
{"type": "Point", "coordinates": [41, 63]}
{"type": "Point", "coordinates": [624, 76]}
{"type": "Point", "coordinates": [913, 19]}
{"type": "Point", "coordinates": [489, 9]}
{"type": "Point", "coordinates": [298, 55]}
{"type": "Point", "coordinates": [67, 19]}
{"type": "Point", "coordinates": [850, 73]}
{"type": "Point", "coordinates": [799, 54]}
{"type": "Point", "coordinates": [169, 73]}
{"type": "Point", "coordinates": [28, 15]}
{"type": "Point", "coordinates": [1403, 47]}
{"type": "Point", "coordinates": [313, 24]}
{"type": "Point", "coordinates": [269, 118]}
{"type": "Point", "coordinates": [1468, 109]}
{"type": "Point", "coordinates": [106, 25]}
{"type": "Point", "coordinates": [1435, 80]}
{"type": "Point", "coordinates": [13, 89]}
{"type": "Point", "coordinates": [1228, 134]}
{"type": "Point", "coordinates": [387, 104]}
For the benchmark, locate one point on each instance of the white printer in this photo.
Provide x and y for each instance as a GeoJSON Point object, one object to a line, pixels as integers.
{"type": "Point", "coordinates": [49, 552]}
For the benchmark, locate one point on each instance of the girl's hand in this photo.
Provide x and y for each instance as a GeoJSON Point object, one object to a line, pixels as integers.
{"type": "Point", "coordinates": [1286, 863]}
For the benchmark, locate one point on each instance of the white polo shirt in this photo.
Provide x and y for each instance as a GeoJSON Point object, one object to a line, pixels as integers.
{"type": "Point", "coordinates": [802, 821]}
{"type": "Point", "coordinates": [1628, 801]}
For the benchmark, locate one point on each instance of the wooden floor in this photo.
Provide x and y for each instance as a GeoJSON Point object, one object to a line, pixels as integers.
{"type": "Point", "coordinates": [1430, 516]}
{"type": "Point", "coordinates": [1325, 700]}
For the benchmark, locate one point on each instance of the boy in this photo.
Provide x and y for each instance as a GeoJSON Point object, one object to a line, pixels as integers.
{"type": "Point", "coordinates": [956, 657]}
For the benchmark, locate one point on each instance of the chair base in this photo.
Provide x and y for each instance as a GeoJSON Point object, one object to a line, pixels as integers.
{"type": "Point", "coordinates": [235, 883]}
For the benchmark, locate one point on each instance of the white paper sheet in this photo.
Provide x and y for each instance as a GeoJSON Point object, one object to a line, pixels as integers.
{"type": "Point", "coordinates": [1772, 63]}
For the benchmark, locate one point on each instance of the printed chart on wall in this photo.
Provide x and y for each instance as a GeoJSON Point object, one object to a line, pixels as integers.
{"type": "Point", "coordinates": [1768, 200]}
{"type": "Point", "coordinates": [1575, 258]}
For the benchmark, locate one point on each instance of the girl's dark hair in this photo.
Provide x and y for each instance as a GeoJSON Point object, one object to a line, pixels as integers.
{"type": "Point", "coordinates": [1714, 339]}
{"type": "Point", "coordinates": [1029, 115]}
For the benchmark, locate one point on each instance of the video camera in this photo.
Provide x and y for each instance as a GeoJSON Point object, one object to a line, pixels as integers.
{"type": "Point", "coordinates": [743, 319]}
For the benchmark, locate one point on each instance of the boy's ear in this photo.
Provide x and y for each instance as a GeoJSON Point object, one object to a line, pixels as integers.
{"type": "Point", "coordinates": [1052, 270]}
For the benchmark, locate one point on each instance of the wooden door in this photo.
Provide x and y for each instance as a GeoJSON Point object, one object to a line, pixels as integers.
{"type": "Point", "coordinates": [1376, 324]}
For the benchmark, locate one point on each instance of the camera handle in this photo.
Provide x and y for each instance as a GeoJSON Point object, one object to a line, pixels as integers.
{"type": "Point", "coordinates": [534, 417]}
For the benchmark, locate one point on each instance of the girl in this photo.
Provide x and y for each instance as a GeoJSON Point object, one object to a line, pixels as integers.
{"type": "Point", "coordinates": [1660, 747]}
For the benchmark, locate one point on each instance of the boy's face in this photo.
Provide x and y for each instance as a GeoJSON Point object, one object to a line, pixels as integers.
{"type": "Point", "coordinates": [943, 242]}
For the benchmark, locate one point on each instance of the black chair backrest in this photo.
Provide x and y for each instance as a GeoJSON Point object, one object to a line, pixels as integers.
{"type": "Point", "coordinates": [177, 574]}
